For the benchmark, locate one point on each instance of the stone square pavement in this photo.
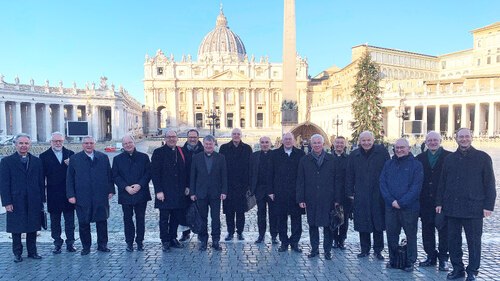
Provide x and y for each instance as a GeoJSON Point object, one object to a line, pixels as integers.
{"type": "Point", "coordinates": [239, 260]}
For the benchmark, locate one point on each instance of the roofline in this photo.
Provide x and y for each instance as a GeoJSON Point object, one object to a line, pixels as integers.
{"type": "Point", "coordinates": [395, 50]}
{"type": "Point", "coordinates": [496, 24]}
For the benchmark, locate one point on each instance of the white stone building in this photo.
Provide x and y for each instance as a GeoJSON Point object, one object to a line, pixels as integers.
{"type": "Point", "coordinates": [40, 110]}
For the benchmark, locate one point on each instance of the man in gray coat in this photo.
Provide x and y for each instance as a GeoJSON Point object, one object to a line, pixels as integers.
{"type": "Point", "coordinates": [22, 188]}
{"type": "Point", "coordinates": [89, 185]}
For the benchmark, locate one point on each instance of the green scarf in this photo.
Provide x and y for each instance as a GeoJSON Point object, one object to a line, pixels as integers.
{"type": "Point", "coordinates": [433, 158]}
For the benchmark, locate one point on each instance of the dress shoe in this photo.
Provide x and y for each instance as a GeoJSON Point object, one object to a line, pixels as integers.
{"type": "Point", "coordinates": [379, 256]}
{"type": "Point", "coordinates": [427, 262]}
{"type": "Point", "coordinates": [455, 274]}
{"type": "Point", "coordinates": [185, 237]}
{"type": "Point", "coordinates": [390, 265]}
{"type": "Point", "coordinates": [174, 243]}
{"type": "Point", "coordinates": [130, 248]}
{"type": "Point", "coordinates": [443, 266]}
{"type": "Point", "coordinates": [283, 248]}
{"type": "Point", "coordinates": [409, 267]}
{"type": "Point", "coordinates": [165, 247]}
{"type": "Point", "coordinates": [362, 255]}
{"type": "Point", "coordinates": [57, 250]}
{"type": "Point", "coordinates": [296, 248]}
{"type": "Point", "coordinates": [259, 240]}
{"type": "Point", "coordinates": [85, 252]}
{"type": "Point", "coordinates": [470, 277]}
{"type": "Point", "coordinates": [240, 237]}
{"type": "Point", "coordinates": [103, 249]}
{"type": "Point", "coordinates": [341, 245]}
{"type": "Point", "coordinates": [203, 246]}
{"type": "Point", "coordinates": [335, 245]}
{"type": "Point", "coordinates": [328, 256]}
{"type": "Point", "coordinates": [34, 256]}
{"type": "Point", "coordinates": [274, 240]}
{"type": "Point", "coordinates": [140, 247]}
{"type": "Point", "coordinates": [313, 254]}
{"type": "Point", "coordinates": [229, 237]}
{"type": "Point", "coordinates": [70, 248]}
{"type": "Point", "coordinates": [216, 246]}
{"type": "Point", "coordinates": [18, 258]}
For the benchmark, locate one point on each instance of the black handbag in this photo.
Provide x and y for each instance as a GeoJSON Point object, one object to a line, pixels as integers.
{"type": "Point", "coordinates": [440, 221]}
{"type": "Point", "coordinates": [44, 219]}
{"type": "Point", "coordinates": [251, 201]}
{"type": "Point", "coordinates": [400, 260]}
{"type": "Point", "coordinates": [194, 219]}
{"type": "Point", "coordinates": [336, 217]}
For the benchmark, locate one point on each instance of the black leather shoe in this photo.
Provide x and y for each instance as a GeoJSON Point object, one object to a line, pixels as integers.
{"type": "Point", "coordinates": [176, 244]}
{"type": "Point", "coordinates": [470, 277]}
{"type": "Point", "coordinates": [140, 247]}
{"type": "Point", "coordinates": [389, 265]}
{"type": "Point", "coordinates": [165, 247]}
{"type": "Point", "coordinates": [259, 240]}
{"type": "Point", "coordinates": [70, 248]}
{"type": "Point", "coordinates": [240, 237]}
{"type": "Point", "coordinates": [379, 256]}
{"type": "Point", "coordinates": [283, 248]}
{"type": "Point", "coordinates": [335, 245]}
{"type": "Point", "coordinates": [328, 256]}
{"type": "Point", "coordinates": [203, 246]}
{"type": "Point", "coordinates": [85, 252]}
{"type": "Point", "coordinates": [229, 237]}
{"type": "Point", "coordinates": [185, 237]}
{"type": "Point", "coordinates": [362, 255]}
{"type": "Point", "coordinates": [455, 274]}
{"type": "Point", "coordinates": [427, 262]}
{"type": "Point", "coordinates": [130, 248]}
{"type": "Point", "coordinates": [103, 249]}
{"type": "Point", "coordinates": [18, 258]}
{"type": "Point", "coordinates": [443, 266]}
{"type": "Point", "coordinates": [274, 240]}
{"type": "Point", "coordinates": [57, 250]}
{"type": "Point", "coordinates": [341, 245]}
{"type": "Point", "coordinates": [408, 267]}
{"type": "Point", "coordinates": [216, 246]}
{"type": "Point", "coordinates": [296, 248]}
{"type": "Point", "coordinates": [35, 256]}
{"type": "Point", "coordinates": [313, 254]}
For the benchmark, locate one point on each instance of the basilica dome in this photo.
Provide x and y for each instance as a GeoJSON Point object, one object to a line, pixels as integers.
{"type": "Point", "coordinates": [221, 44]}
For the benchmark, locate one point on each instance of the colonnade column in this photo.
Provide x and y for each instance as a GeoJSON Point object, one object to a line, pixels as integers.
{"type": "Point", "coordinates": [47, 121]}
{"type": "Point", "coordinates": [412, 113]}
{"type": "Point", "coordinates": [115, 123]}
{"type": "Point", "coordinates": [424, 113]}
{"type": "Point", "coordinates": [437, 119]}
{"type": "Point", "coordinates": [451, 120]}
{"type": "Point", "coordinates": [248, 121]}
{"type": "Point", "coordinates": [223, 116]}
{"type": "Point", "coordinates": [190, 108]}
{"type": "Point", "coordinates": [252, 108]}
{"type": "Point", "coordinates": [237, 108]}
{"type": "Point", "coordinates": [3, 119]}
{"type": "Point", "coordinates": [477, 121]}
{"type": "Point", "coordinates": [17, 115]}
{"type": "Point", "coordinates": [491, 119]}
{"type": "Point", "coordinates": [95, 123]}
{"type": "Point", "coordinates": [267, 108]}
{"type": "Point", "coordinates": [74, 115]}
{"type": "Point", "coordinates": [61, 118]}
{"type": "Point", "coordinates": [463, 116]}
{"type": "Point", "coordinates": [33, 122]}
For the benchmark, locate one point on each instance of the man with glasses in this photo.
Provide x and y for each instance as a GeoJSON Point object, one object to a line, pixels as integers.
{"type": "Point", "coordinates": [89, 185]}
{"type": "Point", "coordinates": [260, 186]}
{"type": "Point", "coordinates": [55, 162]}
{"type": "Point", "coordinates": [466, 194]}
{"type": "Point", "coordinates": [400, 185]}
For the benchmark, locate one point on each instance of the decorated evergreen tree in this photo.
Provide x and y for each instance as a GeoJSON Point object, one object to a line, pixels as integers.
{"type": "Point", "coordinates": [367, 104]}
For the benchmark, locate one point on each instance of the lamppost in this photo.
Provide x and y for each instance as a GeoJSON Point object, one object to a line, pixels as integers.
{"type": "Point", "coordinates": [213, 115]}
{"type": "Point", "coordinates": [338, 122]}
{"type": "Point", "coordinates": [403, 113]}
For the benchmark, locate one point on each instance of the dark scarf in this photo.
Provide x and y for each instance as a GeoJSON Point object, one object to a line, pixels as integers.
{"type": "Point", "coordinates": [319, 158]}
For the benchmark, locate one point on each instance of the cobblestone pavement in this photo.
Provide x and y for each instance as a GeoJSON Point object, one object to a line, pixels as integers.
{"type": "Point", "coordinates": [239, 260]}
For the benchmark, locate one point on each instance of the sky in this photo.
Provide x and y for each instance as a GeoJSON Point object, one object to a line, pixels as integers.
{"type": "Point", "coordinates": [83, 40]}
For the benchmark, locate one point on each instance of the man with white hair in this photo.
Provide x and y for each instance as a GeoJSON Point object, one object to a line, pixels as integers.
{"type": "Point", "coordinates": [55, 162]}
{"type": "Point", "coordinates": [432, 161]}
{"type": "Point", "coordinates": [316, 194]}
{"type": "Point", "coordinates": [400, 185]}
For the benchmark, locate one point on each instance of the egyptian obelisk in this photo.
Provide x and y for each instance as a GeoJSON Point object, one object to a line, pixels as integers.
{"type": "Point", "coordinates": [289, 114]}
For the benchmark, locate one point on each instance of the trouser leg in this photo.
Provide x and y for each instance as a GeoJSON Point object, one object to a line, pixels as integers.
{"type": "Point", "coordinates": [283, 228]}
{"type": "Point", "coordinates": [240, 222]}
{"type": "Point", "coordinates": [455, 243]}
{"type": "Point", "coordinates": [69, 227]}
{"type": "Point", "coordinates": [365, 242]}
{"type": "Point", "coordinates": [55, 228]}
{"type": "Point", "coordinates": [31, 243]}
{"type": "Point", "coordinates": [429, 234]}
{"type": "Point", "coordinates": [296, 227]}
{"type": "Point", "coordinates": [473, 231]}
{"type": "Point", "coordinates": [164, 225]}
{"type": "Point", "coordinates": [410, 226]}
{"type": "Point", "coordinates": [273, 218]}
{"type": "Point", "coordinates": [85, 236]}
{"type": "Point", "coordinates": [393, 230]}
{"type": "Point", "coordinates": [314, 238]}
{"type": "Point", "coordinates": [230, 217]}
{"type": "Point", "coordinates": [261, 216]}
{"type": "Point", "coordinates": [215, 217]}
{"type": "Point", "coordinates": [17, 245]}
{"type": "Point", "coordinates": [102, 233]}
{"type": "Point", "coordinates": [327, 239]}
{"type": "Point", "coordinates": [128, 223]}
{"type": "Point", "coordinates": [203, 209]}
{"type": "Point", "coordinates": [443, 243]}
{"type": "Point", "coordinates": [173, 223]}
{"type": "Point", "coordinates": [378, 241]}
{"type": "Point", "coordinates": [342, 230]}
{"type": "Point", "coordinates": [140, 221]}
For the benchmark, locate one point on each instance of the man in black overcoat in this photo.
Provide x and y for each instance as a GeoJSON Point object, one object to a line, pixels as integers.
{"type": "Point", "coordinates": [283, 179]}
{"type": "Point", "coordinates": [338, 152]}
{"type": "Point", "coordinates": [89, 185]}
{"type": "Point", "coordinates": [363, 186]}
{"type": "Point", "coordinates": [208, 186]}
{"type": "Point", "coordinates": [260, 162]}
{"type": "Point", "coordinates": [55, 162]}
{"type": "Point", "coordinates": [237, 156]}
{"type": "Point", "coordinates": [191, 147]}
{"type": "Point", "coordinates": [169, 175]}
{"type": "Point", "coordinates": [432, 160]}
{"type": "Point", "coordinates": [466, 194]}
{"type": "Point", "coordinates": [23, 193]}
{"type": "Point", "coordinates": [131, 175]}
{"type": "Point", "coordinates": [316, 194]}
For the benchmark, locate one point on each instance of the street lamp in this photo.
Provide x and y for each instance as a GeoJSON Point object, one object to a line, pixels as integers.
{"type": "Point", "coordinates": [403, 113]}
{"type": "Point", "coordinates": [338, 122]}
{"type": "Point", "coordinates": [213, 115]}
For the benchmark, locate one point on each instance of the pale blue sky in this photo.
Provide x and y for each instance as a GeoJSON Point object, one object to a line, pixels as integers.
{"type": "Point", "coordinates": [83, 40]}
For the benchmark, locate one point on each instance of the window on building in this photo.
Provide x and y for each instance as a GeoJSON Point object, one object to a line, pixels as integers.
{"type": "Point", "coordinates": [443, 65]}
{"type": "Point", "coordinates": [242, 122]}
{"type": "Point", "coordinates": [488, 60]}
{"type": "Point", "coordinates": [229, 120]}
{"type": "Point", "coordinates": [498, 58]}
{"type": "Point", "coordinates": [159, 70]}
{"type": "Point", "coordinates": [478, 62]}
{"type": "Point", "coordinates": [199, 120]}
{"type": "Point", "coordinates": [259, 123]}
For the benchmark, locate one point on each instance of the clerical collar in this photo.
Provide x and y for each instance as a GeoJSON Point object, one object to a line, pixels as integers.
{"type": "Point", "coordinates": [208, 154]}
{"type": "Point", "coordinates": [91, 155]}
{"type": "Point", "coordinates": [288, 151]}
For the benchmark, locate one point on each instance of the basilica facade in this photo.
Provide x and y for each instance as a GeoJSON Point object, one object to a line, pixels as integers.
{"type": "Point", "coordinates": [441, 93]}
{"type": "Point", "coordinates": [39, 110]}
{"type": "Point", "coordinates": [222, 87]}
